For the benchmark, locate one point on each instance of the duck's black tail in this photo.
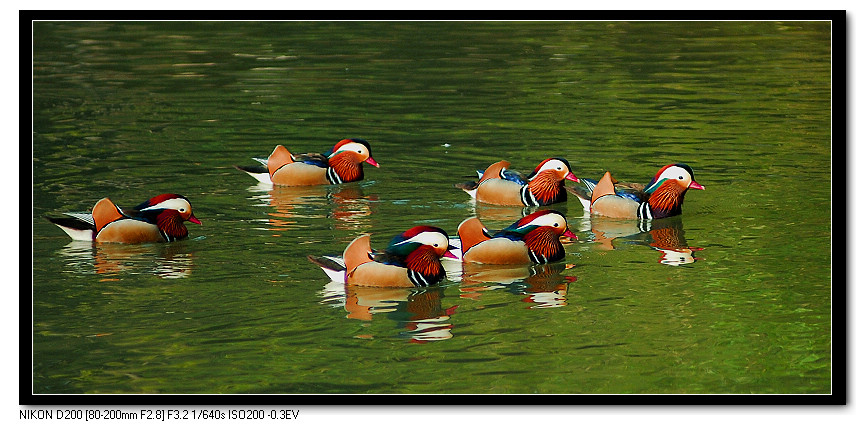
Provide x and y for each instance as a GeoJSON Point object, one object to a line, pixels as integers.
{"type": "Point", "coordinates": [326, 263]}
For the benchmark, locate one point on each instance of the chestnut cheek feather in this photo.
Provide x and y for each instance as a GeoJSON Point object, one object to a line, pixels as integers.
{"type": "Point", "coordinates": [668, 197]}
{"type": "Point", "coordinates": [425, 261]}
{"type": "Point", "coordinates": [171, 223]}
{"type": "Point", "coordinates": [347, 167]}
{"type": "Point", "coordinates": [546, 243]}
{"type": "Point", "coordinates": [547, 186]}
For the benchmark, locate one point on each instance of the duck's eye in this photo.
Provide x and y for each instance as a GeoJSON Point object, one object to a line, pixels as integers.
{"type": "Point", "coordinates": [182, 210]}
{"type": "Point", "coordinates": [555, 224]}
{"type": "Point", "coordinates": [359, 151]}
{"type": "Point", "coordinates": [681, 177]}
{"type": "Point", "coordinates": [436, 245]}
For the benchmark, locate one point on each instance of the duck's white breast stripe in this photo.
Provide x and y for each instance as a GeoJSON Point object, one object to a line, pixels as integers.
{"type": "Point", "coordinates": [527, 196]}
{"type": "Point", "coordinates": [644, 211]}
{"type": "Point", "coordinates": [332, 176]}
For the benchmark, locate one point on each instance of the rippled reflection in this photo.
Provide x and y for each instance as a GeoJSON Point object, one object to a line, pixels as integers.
{"type": "Point", "coordinates": [544, 284]}
{"type": "Point", "coordinates": [167, 261]}
{"type": "Point", "coordinates": [489, 212]}
{"type": "Point", "coordinates": [418, 311]}
{"type": "Point", "coordinates": [664, 235]}
{"type": "Point", "coordinates": [345, 203]}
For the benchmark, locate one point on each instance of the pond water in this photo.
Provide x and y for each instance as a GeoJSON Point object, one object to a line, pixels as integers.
{"type": "Point", "coordinates": [129, 110]}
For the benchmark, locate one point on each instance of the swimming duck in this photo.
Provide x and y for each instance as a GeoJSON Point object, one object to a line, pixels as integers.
{"type": "Point", "coordinates": [342, 164]}
{"type": "Point", "coordinates": [159, 219]}
{"type": "Point", "coordinates": [662, 197]}
{"type": "Point", "coordinates": [544, 186]}
{"type": "Point", "coordinates": [533, 239]}
{"type": "Point", "coordinates": [411, 259]}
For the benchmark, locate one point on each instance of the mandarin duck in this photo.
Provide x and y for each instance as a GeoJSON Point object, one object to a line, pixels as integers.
{"type": "Point", "coordinates": [533, 239]}
{"type": "Point", "coordinates": [159, 219]}
{"type": "Point", "coordinates": [411, 259]}
{"type": "Point", "coordinates": [544, 186]}
{"type": "Point", "coordinates": [662, 197]}
{"type": "Point", "coordinates": [342, 164]}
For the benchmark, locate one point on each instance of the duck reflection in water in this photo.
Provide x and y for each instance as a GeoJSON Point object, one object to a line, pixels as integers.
{"type": "Point", "coordinates": [489, 213]}
{"type": "Point", "coordinates": [419, 311]}
{"type": "Point", "coordinates": [167, 261]}
{"type": "Point", "coordinates": [665, 235]}
{"type": "Point", "coordinates": [345, 203]}
{"type": "Point", "coordinates": [544, 284]}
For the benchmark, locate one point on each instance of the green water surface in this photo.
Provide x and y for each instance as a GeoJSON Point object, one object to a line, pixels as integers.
{"type": "Point", "coordinates": [129, 110]}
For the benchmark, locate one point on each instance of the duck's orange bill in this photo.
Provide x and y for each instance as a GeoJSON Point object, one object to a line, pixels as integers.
{"type": "Point", "coordinates": [572, 177]}
{"type": "Point", "coordinates": [695, 185]}
{"type": "Point", "coordinates": [372, 162]}
{"type": "Point", "coordinates": [193, 219]}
